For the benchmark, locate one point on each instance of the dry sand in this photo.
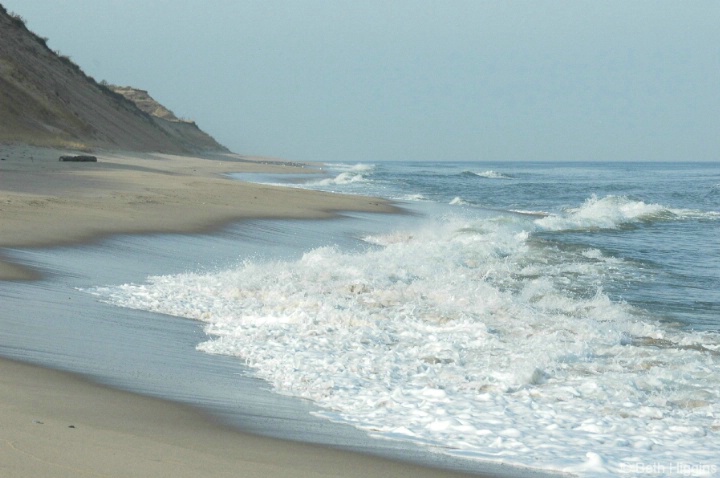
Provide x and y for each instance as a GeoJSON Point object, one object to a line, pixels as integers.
{"type": "Point", "coordinates": [54, 424]}
{"type": "Point", "coordinates": [44, 201]}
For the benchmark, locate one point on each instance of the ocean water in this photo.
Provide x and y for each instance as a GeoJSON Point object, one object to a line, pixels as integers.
{"type": "Point", "coordinates": [557, 316]}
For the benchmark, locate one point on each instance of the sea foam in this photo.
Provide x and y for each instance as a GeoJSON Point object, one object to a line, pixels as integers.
{"type": "Point", "coordinates": [468, 337]}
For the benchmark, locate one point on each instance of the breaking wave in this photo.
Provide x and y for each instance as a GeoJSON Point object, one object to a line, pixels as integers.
{"type": "Point", "coordinates": [611, 212]}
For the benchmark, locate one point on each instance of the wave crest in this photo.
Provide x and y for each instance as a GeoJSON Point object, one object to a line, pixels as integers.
{"type": "Point", "coordinates": [489, 174]}
{"type": "Point", "coordinates": [340, 179]}
{"type": "Point", "coordinates": [611, 212]}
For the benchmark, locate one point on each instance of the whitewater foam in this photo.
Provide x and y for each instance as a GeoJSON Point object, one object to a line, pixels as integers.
{"type": "Point", "coordinates": [468, 337]}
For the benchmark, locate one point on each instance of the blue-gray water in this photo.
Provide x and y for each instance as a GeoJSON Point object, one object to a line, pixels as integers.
{"type": "Point", "coordinates": [608, 206]}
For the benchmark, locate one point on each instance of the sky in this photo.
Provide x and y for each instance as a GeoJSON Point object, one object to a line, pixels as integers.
{"type": "Point", "coordinates": [378, 80]}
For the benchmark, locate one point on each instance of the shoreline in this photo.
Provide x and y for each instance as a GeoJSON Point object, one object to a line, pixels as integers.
{"type": "Point", "coordinates": [145, 354]}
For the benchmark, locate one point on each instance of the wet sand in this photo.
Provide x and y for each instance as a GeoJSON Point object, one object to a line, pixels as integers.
{"type": "Point", "coordinates": [54, 424]}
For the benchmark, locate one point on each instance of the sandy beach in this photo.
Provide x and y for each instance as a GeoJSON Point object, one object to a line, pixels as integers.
{"type": "Point", "coordinates": [57, 424]}
{"type": "Point", "coordinates": [45, 202]}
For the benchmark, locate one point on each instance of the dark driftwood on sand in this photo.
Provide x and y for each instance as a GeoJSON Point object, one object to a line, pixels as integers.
{"type": "Point", "coordinates": [81, 158]}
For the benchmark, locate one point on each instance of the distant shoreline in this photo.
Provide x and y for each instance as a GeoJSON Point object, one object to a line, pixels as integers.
{"type": "Point", "coordinates": [45, 202]}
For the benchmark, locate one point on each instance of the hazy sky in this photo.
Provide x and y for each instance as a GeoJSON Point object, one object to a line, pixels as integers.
{"type": "Point", "coordinates": [370, 80]}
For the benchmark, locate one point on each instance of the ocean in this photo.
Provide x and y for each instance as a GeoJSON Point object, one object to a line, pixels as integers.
{"type": "Point", "coordinates": [563, 317]}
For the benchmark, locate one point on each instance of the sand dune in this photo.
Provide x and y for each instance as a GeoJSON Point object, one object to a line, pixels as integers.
{"type": "Point", "coordinates": [47, 100]}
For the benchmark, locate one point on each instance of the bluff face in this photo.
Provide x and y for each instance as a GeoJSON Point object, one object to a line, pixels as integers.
{"type": "Point", "coordinates": [47, 100]}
